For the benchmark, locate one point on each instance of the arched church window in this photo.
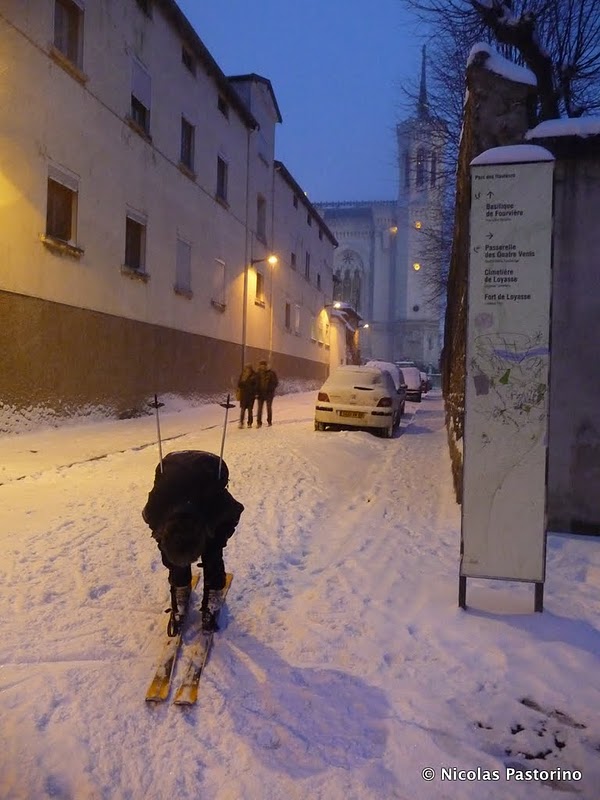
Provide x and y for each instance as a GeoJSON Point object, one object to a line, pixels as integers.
{"type": "Point", "coordinates": [433, 173]}
{"type": "Point", "coordinates": [406, 169]}
{"type": "Point", "coordinates": [420, 166]}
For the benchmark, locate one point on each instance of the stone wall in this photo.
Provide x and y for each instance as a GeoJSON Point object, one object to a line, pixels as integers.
{"type": "Point", "coordinates": [59, 361]}
{"type": "Point", "coordinates": [574, 423]}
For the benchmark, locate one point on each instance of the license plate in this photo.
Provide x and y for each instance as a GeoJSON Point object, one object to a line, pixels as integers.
{"type": "Point", "coordinates": [354, 414]}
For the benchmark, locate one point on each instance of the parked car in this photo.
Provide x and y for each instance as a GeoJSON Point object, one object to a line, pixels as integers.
{"type": "Point", "coordinates": [397, 377]}
{"type": "Point", "coordinates": [412, 376]}
{"type": "Point", "coordinates": [359, 397]}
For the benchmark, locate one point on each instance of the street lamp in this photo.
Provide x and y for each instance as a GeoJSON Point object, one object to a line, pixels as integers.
{"type": "Point", "coordinates": [272, 260]}
{"type": "Point", "coordinates": [364, 326]}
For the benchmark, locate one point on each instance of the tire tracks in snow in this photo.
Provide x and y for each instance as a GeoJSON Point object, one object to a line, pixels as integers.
{"type": "Point", "coordinates": [388, 537]}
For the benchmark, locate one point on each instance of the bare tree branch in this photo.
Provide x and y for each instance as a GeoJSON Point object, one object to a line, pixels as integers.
{"type": "Point", "coordinates": [520, 33]}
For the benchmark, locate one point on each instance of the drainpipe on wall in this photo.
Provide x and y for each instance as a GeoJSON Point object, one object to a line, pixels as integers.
{"type": "Point", "coordinates": [393, 245]}
{"type": "Point", "coordinates": [272, 265]}
{"type": "Point", "coordinates": [246, 251]}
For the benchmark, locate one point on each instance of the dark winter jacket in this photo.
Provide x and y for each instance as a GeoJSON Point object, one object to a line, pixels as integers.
{"type": "Point", "coordinates": [191, 476]}
{"type": "Point", "coordinates": [266, 383]}
{"type": "Point", "coordinates": [247, 389]}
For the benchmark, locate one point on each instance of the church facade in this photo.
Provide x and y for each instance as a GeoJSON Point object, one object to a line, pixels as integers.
{"type": "Point", "coordinates": [389, 251]}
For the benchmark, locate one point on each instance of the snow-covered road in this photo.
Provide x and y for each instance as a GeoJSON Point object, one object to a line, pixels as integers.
{"type": "Point", "coordinates": [345, 667]}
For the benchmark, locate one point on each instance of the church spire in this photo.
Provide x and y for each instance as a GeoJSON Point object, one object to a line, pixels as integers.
{"type": "Point", "coordinates": [422, 104]}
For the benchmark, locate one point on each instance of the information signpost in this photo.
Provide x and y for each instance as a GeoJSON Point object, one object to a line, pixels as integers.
{"type": "Point", "coordinates": [503, 531]}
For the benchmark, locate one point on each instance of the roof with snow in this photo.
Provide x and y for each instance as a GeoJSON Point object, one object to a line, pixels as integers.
{"type": "Point", "coordinates": [551, 128]}
{"type": "Point", "coordinates": [568, 138]}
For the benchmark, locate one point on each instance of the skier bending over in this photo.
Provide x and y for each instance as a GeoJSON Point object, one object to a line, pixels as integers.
{"type": "Point", "coordinates": [192, 515]}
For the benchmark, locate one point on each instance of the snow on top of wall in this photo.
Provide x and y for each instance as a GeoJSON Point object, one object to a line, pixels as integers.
{"type": "Point", "coordinates": [24, 419]}
{"type": "Point", "coordinates": [583, 126]}
{"type": "Point", "coordinates": [502, 66]}
{"type": "Point", "coordinates": [513, 154]}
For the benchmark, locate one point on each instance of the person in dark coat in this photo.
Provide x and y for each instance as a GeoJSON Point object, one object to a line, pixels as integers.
{"type": "Point", "coordinates": [246, 394]}
{"type": "Point", "coordinates": [192, 515]}
{"type": "Point", "coordinates": [266, 383]}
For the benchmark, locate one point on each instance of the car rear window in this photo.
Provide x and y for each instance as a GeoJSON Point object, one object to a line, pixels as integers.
{"type": "Point", "coordinates": [358, 378]}
{"type": "Point", "coordinates": [391, 369]}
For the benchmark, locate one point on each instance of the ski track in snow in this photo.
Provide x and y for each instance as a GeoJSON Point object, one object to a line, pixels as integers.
{"type": "Point", "coordinates": [344, 666]}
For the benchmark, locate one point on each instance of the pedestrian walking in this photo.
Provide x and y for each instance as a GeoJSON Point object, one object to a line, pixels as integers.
{"type": "Point", "coordinates": [246, 394]}
{"type": "Point", "coordinates": [266, 383]}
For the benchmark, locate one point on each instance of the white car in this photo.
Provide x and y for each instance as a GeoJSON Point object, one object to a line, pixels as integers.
{"type": "Point", "coordinates": [358, 397]}
{"type": "Point", "coordinates": [412, 377]}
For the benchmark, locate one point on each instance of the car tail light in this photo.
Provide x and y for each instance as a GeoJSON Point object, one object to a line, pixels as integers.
{"type": "Point", "coordinates": [385, 402]}
{"type": "Point", "coordinates": [323, 397]}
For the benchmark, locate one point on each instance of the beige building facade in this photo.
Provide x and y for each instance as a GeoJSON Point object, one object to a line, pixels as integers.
{"type": "Point", "coordinates": [139, 200]}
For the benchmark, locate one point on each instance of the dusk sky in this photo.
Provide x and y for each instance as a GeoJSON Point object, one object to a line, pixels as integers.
{"type": "Point", "coordinates": [337, 68]}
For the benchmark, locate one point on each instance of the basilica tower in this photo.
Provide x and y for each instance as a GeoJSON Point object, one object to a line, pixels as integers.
{"type": "Point", "coordinates": [420, 141]}
{"type": "Point", "coordinates": [388, 250]}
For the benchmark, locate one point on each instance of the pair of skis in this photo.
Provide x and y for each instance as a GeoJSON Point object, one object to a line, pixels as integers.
{"type": "Point", "coordinates": [196, 653]}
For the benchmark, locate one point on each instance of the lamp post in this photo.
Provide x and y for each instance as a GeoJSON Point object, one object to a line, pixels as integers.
{"type": "Point", "coordinates": [365, 327]}
{"type": "Point", "coordinates": [272, 260]}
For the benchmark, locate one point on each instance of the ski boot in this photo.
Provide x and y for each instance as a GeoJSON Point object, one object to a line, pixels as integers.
{"type": "Point", "coordinates": [210, 610]}
{"type": "Point", "coordinates": [180, 597]}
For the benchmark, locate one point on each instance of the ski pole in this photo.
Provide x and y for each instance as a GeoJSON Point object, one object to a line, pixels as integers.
{"type": "Point", "coordinates": [156, 405]}
{"type": "Point", "coordinates": [226, 405]}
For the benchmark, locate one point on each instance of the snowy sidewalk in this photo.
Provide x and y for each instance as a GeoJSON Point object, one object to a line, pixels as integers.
{"type": "Point", "coordinates": [37, 451]}
{"type": "Point", "coordinates": [34, 452]}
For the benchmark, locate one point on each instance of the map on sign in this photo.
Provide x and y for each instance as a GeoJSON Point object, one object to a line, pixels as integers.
{"type": "Point", "coordinates": [512, 369]}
